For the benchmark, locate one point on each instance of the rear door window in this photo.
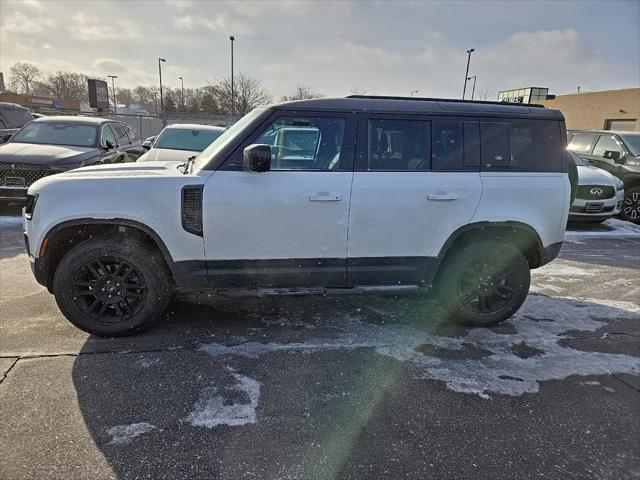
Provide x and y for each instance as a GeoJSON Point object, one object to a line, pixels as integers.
{"type": "Point", "coordinates": [447, 145]}
{"type": "Point", "coordinates": [581, 143]}
{"type": "Point", "coordinates": [398, 145]}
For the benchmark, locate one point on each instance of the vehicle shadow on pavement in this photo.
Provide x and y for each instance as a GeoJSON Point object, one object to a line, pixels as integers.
{"type": "Point", "coordinates": [362, 387]}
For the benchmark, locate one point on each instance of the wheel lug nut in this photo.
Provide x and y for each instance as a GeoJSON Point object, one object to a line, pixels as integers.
{"type": "Point", "coordinates": [109, 295]}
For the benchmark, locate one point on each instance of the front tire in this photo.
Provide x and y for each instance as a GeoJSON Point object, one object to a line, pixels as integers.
{"type": "Point", "coordinates": [112, 286]}
{"type": "Point", "coordinates": [483, 283]}
{"type": "Point", "coordinates": [630, 210]}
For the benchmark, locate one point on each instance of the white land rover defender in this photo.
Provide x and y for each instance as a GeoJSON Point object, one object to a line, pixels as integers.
{"type": "Point", "coordinates": [357, 192]}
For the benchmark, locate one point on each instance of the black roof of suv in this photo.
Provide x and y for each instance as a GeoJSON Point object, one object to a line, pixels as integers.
{"type": "Point", "coordinates": [416, 105]}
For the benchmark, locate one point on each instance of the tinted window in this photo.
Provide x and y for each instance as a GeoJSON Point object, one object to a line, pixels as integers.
{"type": "Point", "coordinates": [536, 146]}
{"type": "Point", "coordinates": [447, 147]}
{"type": "Point", "coordinates": [495, 147]}
{"type": "Point", "coordinates": [607, 143]}
{"type": "Point", "coordinates": [581, 142]}
{"type": "Point", "coordinates": [398, 145]}
{"type": "Point", "coordinates": [58, 133]}
{"type": "Point", "coordinates": [120, 133]}
{"type": "Point", "coordinates": [183, 139]}
{"type": "Point", "coordinates": [309, 143]}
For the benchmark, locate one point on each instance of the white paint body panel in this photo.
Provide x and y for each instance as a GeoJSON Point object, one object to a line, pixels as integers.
{"type": "Point", "coordinates": [270, 215]}
{"type": "Point", "coordinates": [392, 215]}
{"type": "Point", "coordinates": [148, 193]}
{"type": "Point", "coordinates": [540, 200]}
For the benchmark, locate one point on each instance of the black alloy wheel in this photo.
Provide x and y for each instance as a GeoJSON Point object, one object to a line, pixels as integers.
{"type": "Point", "coordinates": [108, 289]}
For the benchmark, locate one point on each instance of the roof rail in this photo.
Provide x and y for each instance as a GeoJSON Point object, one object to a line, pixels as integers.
{"type": "Point", "coordinates": [448, 100]}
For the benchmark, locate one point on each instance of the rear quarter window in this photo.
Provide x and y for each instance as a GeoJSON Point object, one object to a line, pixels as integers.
{"type": "Point", "coordinates": [521, 146]}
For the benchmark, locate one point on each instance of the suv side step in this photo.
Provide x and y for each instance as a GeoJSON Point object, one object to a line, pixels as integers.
{"type": "Point", "coordinates": [355, 290]}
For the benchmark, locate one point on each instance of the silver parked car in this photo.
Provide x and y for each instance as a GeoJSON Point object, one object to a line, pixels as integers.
{"type": "Point", "coordinates": [599, 196]}
{"type": "Point", "coordinates": [179, 141]}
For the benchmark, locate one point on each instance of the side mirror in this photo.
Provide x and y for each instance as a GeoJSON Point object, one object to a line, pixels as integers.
{"type": "Point", "coordinates": [146, 145]}
{"type": "Point", "coordinates": [108, 145]}
{"type": "Point", "coordinates": [613, 155]}
{"type": "Point", "coordinates": [257, 158]}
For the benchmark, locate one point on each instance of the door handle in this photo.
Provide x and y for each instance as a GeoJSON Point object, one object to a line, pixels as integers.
{"type": "Point", "coordinates": [324, 197]}
{"type": "Point", "coordinates": [442, 196]}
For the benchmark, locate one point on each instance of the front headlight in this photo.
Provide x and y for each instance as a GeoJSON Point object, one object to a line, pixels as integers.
{"type": "Point", "coordinates": [30, 206]}
{"type": "Point", "coordinates": [620, 186]}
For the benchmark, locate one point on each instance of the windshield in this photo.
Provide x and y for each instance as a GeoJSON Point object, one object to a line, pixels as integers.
{"type": "Point", "coordinates": [182, 139]}
{"type": "Point", "coordinates": [58, 133]}
{"type": "Point", "coordinates": [633, 143]}
{"type": "Point", "coordinates": [223, 140]}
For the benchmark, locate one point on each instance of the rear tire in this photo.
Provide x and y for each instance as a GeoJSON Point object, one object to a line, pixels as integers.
{"type": "Point", "coordinates": [483, 283]}
{"type": "Point", "coordinates": [630, 210]}
{"type": "Point", "coordinates": [112, 286]}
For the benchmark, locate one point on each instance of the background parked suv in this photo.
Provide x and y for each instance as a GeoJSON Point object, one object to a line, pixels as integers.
{"type": "Point", "coordinates": [50, 145]}
{"type": "Point", "coordinates": [617, 153]}
{"type": "Point", "coordinates": [12, 117]}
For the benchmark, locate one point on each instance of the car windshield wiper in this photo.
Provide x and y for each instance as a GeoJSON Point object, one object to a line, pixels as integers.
{"type": "Point", "coordinates": [188, 165]}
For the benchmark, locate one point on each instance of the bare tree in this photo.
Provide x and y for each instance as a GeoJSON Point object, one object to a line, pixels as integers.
{"type": "Point", "coordinates": [248, 94]}
{"type": "Point", "coordinates": [23, 76]}
{"type": "Point", "coordinates": [483, 94]}
{"type": "Point", "coordinates": [170, 101]}
{"type": "Point", "coordinates": [358, 91]}
{"type": "Point", "coordinates": [66, 85]}
{"type": "Point", "coordinates": [124, 96]}
{"type": "Point", "coordinates": [208, 102]}
{"type": "Point", "coordinates": [301, 92]}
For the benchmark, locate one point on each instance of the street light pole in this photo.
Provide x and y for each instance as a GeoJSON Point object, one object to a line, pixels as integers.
{"type": "Point", "coordinates": [182, 94]}
{"type": "Point", "coordinates": [474, 85]}
{"type": "Point", "coordinates": [233, 98]}
{"type": "Point", "coordinates": [469, 52]}
{"type": "Point", "coordinates": [160, 74]}
{"type": "Point", "coordinates": [113, 89]}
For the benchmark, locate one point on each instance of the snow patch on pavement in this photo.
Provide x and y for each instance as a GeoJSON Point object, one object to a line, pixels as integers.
{"type": "Point", "coordinates": [541, 324]}
{"type": "Point", "coordinates": [212, 409]}
{"type": "Point", "coordinates": [122, 434]}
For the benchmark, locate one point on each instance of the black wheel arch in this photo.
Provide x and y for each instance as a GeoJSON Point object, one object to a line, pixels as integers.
{"type": "Point", "coordinates": [519, 234]}
{"type": "Point", "coordinates": [65, 235]}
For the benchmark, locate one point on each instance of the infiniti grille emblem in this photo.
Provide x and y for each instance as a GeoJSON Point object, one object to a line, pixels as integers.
{"type": "Point", "coordinates": [596, 191]}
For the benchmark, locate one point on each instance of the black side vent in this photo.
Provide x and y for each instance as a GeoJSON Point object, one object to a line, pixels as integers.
{"type": "Point", "coordinates": [192, 209]}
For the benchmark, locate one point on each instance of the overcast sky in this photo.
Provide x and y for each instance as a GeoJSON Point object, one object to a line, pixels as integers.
{"type": "Point", "coordinates": [383, 47]}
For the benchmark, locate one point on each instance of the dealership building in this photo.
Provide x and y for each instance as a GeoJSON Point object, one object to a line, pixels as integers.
{"type": "Point", "coordinates": [603, 110]}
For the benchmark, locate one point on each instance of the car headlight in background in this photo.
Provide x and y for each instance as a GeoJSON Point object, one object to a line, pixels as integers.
{"type": "Point", "coordinates": [30, 206]}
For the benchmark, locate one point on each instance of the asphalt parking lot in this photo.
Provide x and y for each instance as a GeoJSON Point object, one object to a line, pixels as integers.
{"type": "Point", "coordinates": [348, 387]}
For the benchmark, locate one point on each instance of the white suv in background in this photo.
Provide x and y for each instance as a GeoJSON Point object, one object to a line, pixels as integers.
{"type": "Point", "coordinates": [358, 193]}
